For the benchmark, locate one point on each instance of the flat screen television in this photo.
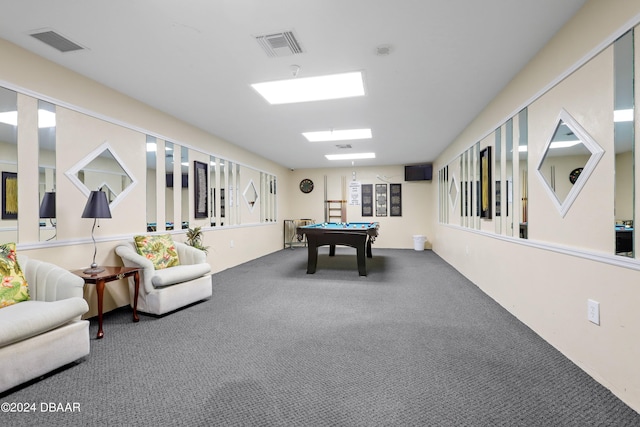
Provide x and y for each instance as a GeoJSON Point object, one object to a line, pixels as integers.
{"type": "Point", "coordinates": [418, 172]}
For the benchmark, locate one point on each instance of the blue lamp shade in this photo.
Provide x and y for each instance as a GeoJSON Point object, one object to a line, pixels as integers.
{"type": "Point", "coordinates": [97, 206]}
{"type": "Point", "coordinates": [48, 205]}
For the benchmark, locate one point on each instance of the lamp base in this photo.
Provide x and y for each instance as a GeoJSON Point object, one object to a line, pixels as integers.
{"type": "Point", "coordinates": [93, 269]}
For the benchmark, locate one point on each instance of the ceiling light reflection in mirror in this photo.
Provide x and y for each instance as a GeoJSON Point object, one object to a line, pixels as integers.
{"type": "Point", "coordinates": [46, 119]}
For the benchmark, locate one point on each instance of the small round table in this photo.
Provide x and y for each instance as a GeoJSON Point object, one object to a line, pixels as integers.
{"type": "Point", "coordinates": [108, 275]}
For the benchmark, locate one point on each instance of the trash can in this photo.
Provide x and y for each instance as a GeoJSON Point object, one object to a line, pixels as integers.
{"type": "Point", "coordinates": [418, 242]}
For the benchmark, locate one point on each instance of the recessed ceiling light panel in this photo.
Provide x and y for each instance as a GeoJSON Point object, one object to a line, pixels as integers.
{"type": "Point", "coordinates": [306, 89]}
{"type": "Point", "coordinates": [338, 135]}
{"type": "Point", "coordinates": [354, 156]}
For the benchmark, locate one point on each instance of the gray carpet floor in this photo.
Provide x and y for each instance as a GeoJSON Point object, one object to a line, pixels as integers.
{"type": "Point", "coordinates": [412, 344]}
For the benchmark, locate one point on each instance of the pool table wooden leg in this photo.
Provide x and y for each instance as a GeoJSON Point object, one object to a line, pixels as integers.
{"type": "Point", "coordinates": [362, 261]}
{"type": "Point", "coordinates": [369, 254]}
{"type": "Point", "coordinates": [312, 257]}
{"type": "Point", "coordinates": [332, 250]}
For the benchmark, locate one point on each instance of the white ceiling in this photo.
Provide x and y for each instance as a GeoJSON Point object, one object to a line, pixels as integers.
{"type": "Point", "coordinates": [196, 60]}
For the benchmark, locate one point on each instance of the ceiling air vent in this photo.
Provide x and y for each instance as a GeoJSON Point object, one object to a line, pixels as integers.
{"type": "Point", "coordinates": [343, 146]}
{"type": "Point", "coordinates": [56, 41]}
{"type": "Point", "coordinates": [279, 44]}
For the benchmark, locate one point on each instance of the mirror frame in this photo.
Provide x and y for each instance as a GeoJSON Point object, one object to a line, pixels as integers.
{"type": "Point", "coordinates": [596, 154]}
{"type": "Point", "coordinates": [251, 186]}
{"type": "Point", "coordinates": [73, 171]}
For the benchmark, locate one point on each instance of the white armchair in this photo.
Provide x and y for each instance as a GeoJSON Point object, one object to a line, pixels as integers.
{"type": "Point", "coordinates": [168, 289]}
{"type": "Point", "coordinates": [46, 332]}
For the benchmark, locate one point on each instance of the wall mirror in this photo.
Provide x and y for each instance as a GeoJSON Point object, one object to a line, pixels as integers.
{"type": "Point", "coordinates": [169, 185]}
{"type": "Point", "coordinates": [499, 187]}
{"type": "Point", "coordinates": [250, 195]}
{"type": "Point", "coordinates": [507, 193]}
{"type": "Point", "coordinates": [214, 192]}
{"type": "Point", "coordinates": [474, 184]}
{"type": "Point", "coordinates": [268, 203]}
{"type": "Point", "coordinates": [569, 157]}
{"type": "Point", "coordinates": [523, 172]}
{"type": "Point", "coordinates": [464, 189]}
{"type": "Point", "coordinates": [453, 192]}
{"type": "Point", "coordinates": [9, 164]}
{"type": "Point", "coordinates": [623, 117]}
{"type": "Point", "coordinates": [184, 193]}
{"type": "Point", "coordinates": [222, 186]}
{"type": "Point", "coordinates": [151, 157]}
{"type": "Point", "coordinates": [102, 169]}
{"type": "Point", "coordinates": [47, 169]}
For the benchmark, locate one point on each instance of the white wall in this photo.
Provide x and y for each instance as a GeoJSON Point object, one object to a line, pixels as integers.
{"type": "Point", "coordinates": [546, 280]}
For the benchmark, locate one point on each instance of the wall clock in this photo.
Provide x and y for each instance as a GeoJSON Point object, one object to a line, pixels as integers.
{"type": "Point", "coordinates": [306, 185]}
{"type": "Point", "coordinates": [574, 175]}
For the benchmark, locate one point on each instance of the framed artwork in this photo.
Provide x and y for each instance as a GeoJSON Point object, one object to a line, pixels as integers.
{"type": "Point", "coordinates": [395, 195]}
{"type": "Point", "coordinates": [9, 195]}
{"type": "Point", "coordinates": [200, 180]}
{"type": "Point", "coordinates": [367, 199]}
{"type": "Point", "coordinates": [485, 183]}
{"type": "Point", "coordinates": [381, 199]}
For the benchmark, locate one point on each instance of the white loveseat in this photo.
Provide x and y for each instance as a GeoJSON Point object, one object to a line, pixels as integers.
{"type": "Point", "coordinates": [168, 289]}
{"type": "Point", "coordinates": [46, 332]}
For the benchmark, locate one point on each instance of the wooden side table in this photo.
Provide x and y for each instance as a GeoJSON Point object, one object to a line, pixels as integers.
{"type": "Point", "coordinates": [108, 275]}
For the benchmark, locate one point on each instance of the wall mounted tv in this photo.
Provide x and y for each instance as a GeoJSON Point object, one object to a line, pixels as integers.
{"type": "Point", "coordinates": [169, 180]}
{"type": "Point", "coordinates": [418, 172]}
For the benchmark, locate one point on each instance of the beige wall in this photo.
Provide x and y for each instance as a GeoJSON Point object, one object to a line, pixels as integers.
{"type": "Point", "coordinates": [88, 114]}
{"type": "Point", "coordinates": [395, 232]}
{"type": "Point", "coordinates": [546, 280]}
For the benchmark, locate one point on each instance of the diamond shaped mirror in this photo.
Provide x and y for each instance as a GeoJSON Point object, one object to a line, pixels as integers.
{"type": "Point", "coordinates": [570, 156]}
{"type": "Point", "coordinates": [250, 195]}
{"type": "Point", "coordinates": [102, 169]}
{"type": "Point", "coordinates": [453, 192]}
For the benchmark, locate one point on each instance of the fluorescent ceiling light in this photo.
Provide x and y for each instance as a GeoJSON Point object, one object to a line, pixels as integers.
{"type": "Point", "coordinates": [9, 118]}
{"type": "Point", "coordinates": [623, 115]}
{"type": "Point", "coordinates": [306, 89]}
{"type": "Point", "coordinates": [522, 148]}
{"type": "Point", "coordinates": [337, 135]}
{"type": "Point", "coordinates": [151, 147]}
{"type": "Point", "coordinates": [355, 156]}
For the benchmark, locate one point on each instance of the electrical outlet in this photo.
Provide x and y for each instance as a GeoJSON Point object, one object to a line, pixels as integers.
{"type": "Point", "coordinates": [593, 311]}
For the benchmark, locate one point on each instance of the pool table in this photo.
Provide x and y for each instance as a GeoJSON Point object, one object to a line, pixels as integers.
{"type": "Point", "coordinates": [358, 235]}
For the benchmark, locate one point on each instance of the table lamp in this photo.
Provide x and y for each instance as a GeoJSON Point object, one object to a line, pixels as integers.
{"type": "Point", "coordinates": [48, 209]}
{"type": "Point", "coordinates": [97, 207]}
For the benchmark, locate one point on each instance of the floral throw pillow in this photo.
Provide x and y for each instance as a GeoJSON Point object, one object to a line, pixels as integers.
{"type": "Point", "coordinates": [159, 249]}
{"type": "Point", "coordinates": [14, 288]}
